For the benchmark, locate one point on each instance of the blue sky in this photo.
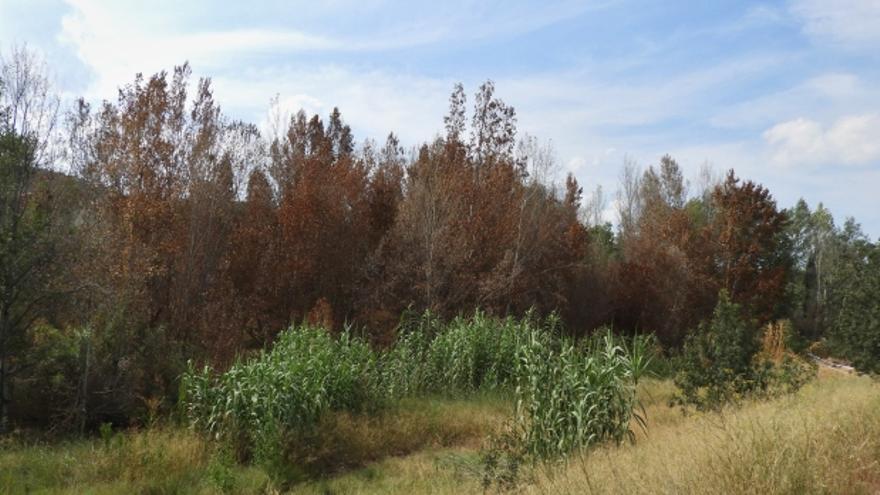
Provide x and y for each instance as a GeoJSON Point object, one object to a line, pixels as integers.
{"type": "Point", "coordinates": [787, 93]}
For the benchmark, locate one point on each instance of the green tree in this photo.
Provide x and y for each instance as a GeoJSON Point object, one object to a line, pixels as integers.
{"type": "Point", "coordinates": [815, 242]}
{"type": "Point", "coordinates": [28, 250]}
{"type": "Point", "coordinates": [855, 329]}
{"type": "Point", "coordinates": [718, 360]}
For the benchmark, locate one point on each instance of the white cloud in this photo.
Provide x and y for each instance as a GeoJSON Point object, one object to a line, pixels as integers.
{"type": "Point", "coordinates": [116, 44]}
{"type": "Point", "coordinates": [851, 23]}
{"type": "Point", "coordinates": [850, 140]}
{"type": "Point", "coordinates": [825, 96]}
{"type": "Point", "coordinates": [374, 103]}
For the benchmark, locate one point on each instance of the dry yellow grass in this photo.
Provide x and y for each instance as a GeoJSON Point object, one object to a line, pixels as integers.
{"type": "Point", "coordinates": [345, 441]}
{"type": "Point", "coordinates": [825, 439]}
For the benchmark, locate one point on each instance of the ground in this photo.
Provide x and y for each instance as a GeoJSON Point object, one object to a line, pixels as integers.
{"type": "Point", "coordinates": [824, 439]}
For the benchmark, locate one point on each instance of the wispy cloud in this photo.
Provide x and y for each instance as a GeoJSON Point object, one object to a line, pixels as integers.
{"type": "Point", "coordinates": [851, 23]}
{"type": "Point", "coordinates": [821, 97]}
{"type": "Point", "coordinates": [116, 40]}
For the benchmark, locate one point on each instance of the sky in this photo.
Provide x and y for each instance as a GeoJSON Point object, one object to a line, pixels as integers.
{"type": "Point", "coordinates": [786, 93]}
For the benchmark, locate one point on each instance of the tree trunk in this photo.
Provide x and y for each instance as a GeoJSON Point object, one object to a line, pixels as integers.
{"type": "Point", "coordinates": [4, 395]}
{"type": "Point", "coordinates": [4, 412]}
{"type": "Point", "coordinates": [83, 395]}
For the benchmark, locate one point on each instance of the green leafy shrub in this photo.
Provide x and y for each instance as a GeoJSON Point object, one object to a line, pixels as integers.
{"type": "Point", "coordinates": [788, 371]}
{"type": "Point", "coordinates": [47, 389]}
{"type": "Point", "coordinates": [219, 471]}
{"type": "Point", "coordinates": [723, 361]}
{"type": "Point", "coordinates": [792, 373]}
{"type": "Point", "coordinates": [717, 362]}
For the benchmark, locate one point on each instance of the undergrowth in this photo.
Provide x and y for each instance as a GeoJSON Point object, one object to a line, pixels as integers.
{"type": "Point", "coordinates": [567, 394]}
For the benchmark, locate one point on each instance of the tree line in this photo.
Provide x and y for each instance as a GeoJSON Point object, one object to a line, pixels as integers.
{"type": "Point", "coordinates": [177, 233]}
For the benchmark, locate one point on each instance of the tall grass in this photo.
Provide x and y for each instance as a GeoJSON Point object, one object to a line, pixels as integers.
{"type": "Point", "coordinates": [467, 355]}
{"type": "Point", "coordinates": [823, 439]}
{"type": "Point", "coordinates": [283, 392]}
{"type": "Point", "coordinates": [567, 394]}
{"type": "Point", "coordinates": [569, 397]}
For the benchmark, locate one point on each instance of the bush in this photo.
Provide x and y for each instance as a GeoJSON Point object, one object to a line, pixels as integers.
{"type": "Point", "coordinates": [717, 362]}
{"type": "Point", "coordinates": [788, 371]}
{"type": "Point", "coordinates": [791, 374]}
{"type": "Point", "coordinates": [723, 360]}
{"type": "Point", "coordinates": [47, 390]}
{"type": "Point", "coordinates": [76, 378]}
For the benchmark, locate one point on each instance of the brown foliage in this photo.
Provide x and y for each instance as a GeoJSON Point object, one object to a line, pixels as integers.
{"type": "Point", "coordinates": [746, 237]}
{"type": "Point", "coordinates": [678, 254]}
{"type": "Point", "coordinates": [199, 238]}
{"type": "Point", "coordinates": [330, 233]}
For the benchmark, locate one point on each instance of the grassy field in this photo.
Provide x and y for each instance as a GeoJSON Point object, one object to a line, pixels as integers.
{"type": "Point", "coordinates": [824, 439]}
